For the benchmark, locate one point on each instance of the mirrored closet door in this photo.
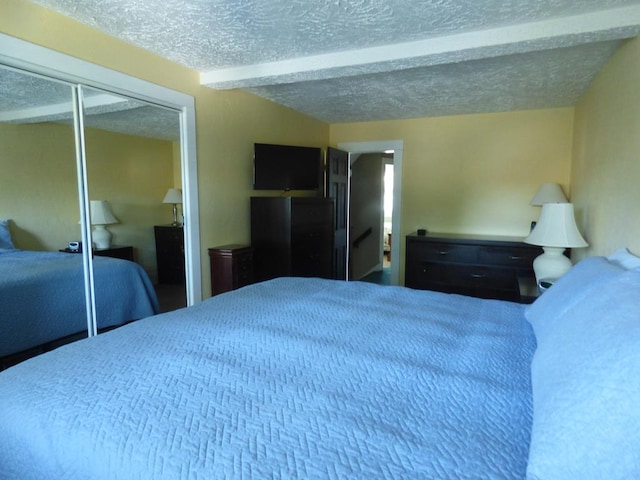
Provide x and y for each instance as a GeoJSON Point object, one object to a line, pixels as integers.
{"type": "Point", "coordinates": [85, 179]}
{"type": "Point", "coordinates": [42, 290]}
{"type": "Point", "coordinates": [132, 151]}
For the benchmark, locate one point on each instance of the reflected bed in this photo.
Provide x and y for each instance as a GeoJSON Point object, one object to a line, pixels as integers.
{"type": "Point", "coordinates": [42, 296]}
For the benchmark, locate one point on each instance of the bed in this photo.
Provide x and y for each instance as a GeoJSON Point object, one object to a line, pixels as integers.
{"type": "Point", "coordinates": [313, 378]}
{"type": "Point", "coordinates": [42, 296]}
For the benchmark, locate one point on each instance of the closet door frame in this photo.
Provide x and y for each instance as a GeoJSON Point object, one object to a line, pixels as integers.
{"type": "Point", "coordinates": [58, 66]}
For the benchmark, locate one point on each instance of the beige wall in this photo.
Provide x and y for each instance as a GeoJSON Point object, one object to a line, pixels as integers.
{"type": "Point", "coordinates": [133, 175]}
{"type": "Point", "coordinates": [228, 123]}
{"type": "Point", "coordinates": [39, 189]}
{"type": "Point", "coordinates": [38, 186]}
{"type": "Point", "coordinates": [473, 173]}
{"type": "Point", "coordinates": [605, 175]}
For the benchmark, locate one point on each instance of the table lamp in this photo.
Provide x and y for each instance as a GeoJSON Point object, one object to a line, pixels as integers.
{"type": "Point", "coordinates": [548, 193]}
{"type": "Point", "coordinates": [555, 231]}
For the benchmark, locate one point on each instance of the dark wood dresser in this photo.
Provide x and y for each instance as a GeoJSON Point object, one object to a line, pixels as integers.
{"type": "Point", "coordinates": [231, 267]}
{"type": "Point", "coordinates": [170, 254]}
{"type": "Point", "coordinates": [292, 236]}
{"type": "Point", "coordinates": [485, 266]}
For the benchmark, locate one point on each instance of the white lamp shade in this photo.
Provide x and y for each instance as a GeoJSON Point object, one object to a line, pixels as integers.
{"type": "Point", "coordinates": [174, 195]}
{"type": "Point", "coordinates": [101, 213]}
{"type": "Point", "coordinates": [556, 227]}
{"type": "Point", "coordinates": [548, 193]}
{"type": "Point", "coordinates": [556, 230]}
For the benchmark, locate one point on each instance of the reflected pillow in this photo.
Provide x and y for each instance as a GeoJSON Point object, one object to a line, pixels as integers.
{"type": "Point", "coordinates": [625, 259]}
{"type": "Point", "coordinates": [570, 289]}
{"type": "Point", "coordinates": [5, 235]}
{"type": "Point", "coordinates": [586, 386]}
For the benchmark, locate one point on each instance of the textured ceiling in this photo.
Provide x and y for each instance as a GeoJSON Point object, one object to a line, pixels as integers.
{"type": "Point", "coordinates": [361, 60]}
{"type": "Point", "coordinates": [26, 98]}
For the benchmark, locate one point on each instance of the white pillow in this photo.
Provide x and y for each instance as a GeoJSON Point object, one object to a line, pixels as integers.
{"type": "Point", "coordinates": [586, 414]}
{"type": "Point", "coordinates": [625, 259]}
{"type": "Point", "coordinates": [579, 282]}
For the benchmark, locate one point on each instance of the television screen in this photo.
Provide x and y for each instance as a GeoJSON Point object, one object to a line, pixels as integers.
{"type": "Point", "coordinates": [283, 167]}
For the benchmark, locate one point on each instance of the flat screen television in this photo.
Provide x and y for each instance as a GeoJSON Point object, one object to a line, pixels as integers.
{"type": "Point", "coordinates": [284, 167]}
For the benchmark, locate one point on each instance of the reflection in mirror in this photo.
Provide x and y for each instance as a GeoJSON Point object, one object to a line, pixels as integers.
{"type": "Point", "coordinates": [41, 288]}
{"type": "Point", "coordinates": [132, 159]}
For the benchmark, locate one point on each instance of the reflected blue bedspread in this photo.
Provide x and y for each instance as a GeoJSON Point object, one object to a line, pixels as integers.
{"type": "Point", "coordinates": [42, 296]}
{"type": "Point", "coordinates": [291, 378]}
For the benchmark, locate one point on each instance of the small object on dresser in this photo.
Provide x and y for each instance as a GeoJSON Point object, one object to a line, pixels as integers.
{"type": "Point", "coordinates": [421, 232]}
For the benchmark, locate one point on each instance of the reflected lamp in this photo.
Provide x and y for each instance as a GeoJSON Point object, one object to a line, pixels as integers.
{"type": "Point", "coordinates": [101, 216]}
{"type": "Point", "coordinates": [174, 196]}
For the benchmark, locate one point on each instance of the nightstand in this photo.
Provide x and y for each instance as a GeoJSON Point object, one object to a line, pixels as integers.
{"type": "Point", "coordinates": [528, 288]}
{"type": "Point", "coordinates": [125, 252]}
{"type": "Point", "coordinates": [231, 267]}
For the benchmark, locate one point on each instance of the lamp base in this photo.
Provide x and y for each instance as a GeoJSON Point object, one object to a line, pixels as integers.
{"type": "Point", "coordinates": [101, 237]}
{"type": "Point", "coordinates": [551, 264]}
{"type": "Point", "coordinates": [175, 222]}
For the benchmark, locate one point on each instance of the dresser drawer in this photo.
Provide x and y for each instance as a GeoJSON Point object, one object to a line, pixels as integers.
{"type": "Point", "coordinates": [243, 270]}
{"type": "Point", "coordinates": [308, 262]}
{"type": "Point", "coordinates": [443, 252]}
{"type": "Point", "coordinates": [480, 277]}
{"type": "Point", "coordinates": [425, 275]}
{"type": "Point", "coordinates": [311, 213]}
{"type": "Point", "coordinates": [310, 238]}
{"type": "Point", "coordinates": [508, 256]}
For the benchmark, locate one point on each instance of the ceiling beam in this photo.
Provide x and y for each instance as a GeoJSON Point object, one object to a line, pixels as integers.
{"type": "Point", "coordinates": [603, 25]}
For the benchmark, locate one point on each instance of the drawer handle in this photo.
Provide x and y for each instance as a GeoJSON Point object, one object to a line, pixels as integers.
{"type": "Point", "coordinates": [515, 257]}
{"type": "Point", "coordinates": [478, 275]}
{"type": "Point", "coordinates": [443, 252]}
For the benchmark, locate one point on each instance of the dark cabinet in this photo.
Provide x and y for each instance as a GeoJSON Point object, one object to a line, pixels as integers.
{"type": "Point", "coordinates": [476, 265]}
{"type": "Point", "coordinates": [231, 267]}
{"type": "Point", "coordinates": [292, 236]}
{"type": "Point", "coordinates": [170, 254]}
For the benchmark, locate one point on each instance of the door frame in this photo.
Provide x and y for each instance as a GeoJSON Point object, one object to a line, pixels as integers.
{"type": "Point", "coordinates": [380, 146]}
{"type": "Point", "coordinates": [41, 60]}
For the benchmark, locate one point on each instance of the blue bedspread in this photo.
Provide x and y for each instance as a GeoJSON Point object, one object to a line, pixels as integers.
{"type": "Point", "coordinates": [42, 296]}
{"type": "Point", "coordinates": [291, 378]}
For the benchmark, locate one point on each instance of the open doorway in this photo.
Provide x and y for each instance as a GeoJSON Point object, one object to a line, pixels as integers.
{"type": "Point", "coordinates": [394, 150]}
{"type": "Point", "coordinates": [387, 212]}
